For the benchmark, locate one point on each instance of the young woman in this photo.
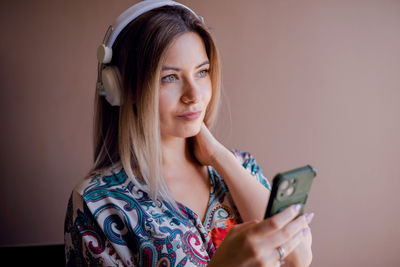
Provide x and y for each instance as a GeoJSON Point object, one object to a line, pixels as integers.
{"type": "Point", "coordinates": [163, 191]}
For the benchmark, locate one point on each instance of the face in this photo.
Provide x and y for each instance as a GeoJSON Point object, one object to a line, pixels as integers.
{"type": "Point", "coordinates": [185, 87]}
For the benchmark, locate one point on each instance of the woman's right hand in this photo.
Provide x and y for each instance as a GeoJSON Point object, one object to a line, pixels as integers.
{"type": "Point", "coordinates": [256, 243]}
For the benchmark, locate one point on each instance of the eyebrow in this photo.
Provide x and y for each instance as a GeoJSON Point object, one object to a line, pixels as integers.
{"type": "Point", "coordinates": [178, 69]}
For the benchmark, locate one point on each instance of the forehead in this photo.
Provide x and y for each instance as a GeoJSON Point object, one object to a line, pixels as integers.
{"type": "Point", "coordinates": [186, 49]}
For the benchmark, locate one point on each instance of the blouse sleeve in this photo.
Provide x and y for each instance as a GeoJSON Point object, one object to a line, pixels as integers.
{"type": "Point", "coordinates": [250, 164]}
{"type": "Point", "coordinates": [85, 242]}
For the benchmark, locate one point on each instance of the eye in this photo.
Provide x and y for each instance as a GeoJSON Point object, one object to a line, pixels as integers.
{"type": "Point", "coordinates": [203, 73]}
{"type": "Point", "coordinates": [169, 78]}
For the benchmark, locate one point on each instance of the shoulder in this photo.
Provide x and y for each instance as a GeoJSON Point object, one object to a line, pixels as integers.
{"type": "Point", "coordinates": [105, 190]}
{"type": "Point", "coordinates": [96, 188]}
{"type": "Point", "coordinates": [97, 203]}
{"type": "Point", "coordinates": [111, 188]}
{"type": "Point", "coordinates": [109, 178]}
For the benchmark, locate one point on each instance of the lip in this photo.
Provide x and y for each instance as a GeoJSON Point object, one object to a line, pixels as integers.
{"type": "Point", "coordinates": [190, 116]}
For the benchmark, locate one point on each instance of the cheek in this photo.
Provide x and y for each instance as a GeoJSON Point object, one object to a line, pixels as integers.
{"type": "Point", "coordinates": [162, 104]}
{"type": "Point", "coordinates": [163, 111]}
{"type": "Point", "coordinates": [166, 104]}
{"type": "Point", "coordinates": [207, 94]}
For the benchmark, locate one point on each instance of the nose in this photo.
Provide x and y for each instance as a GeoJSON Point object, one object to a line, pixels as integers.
{"type": "Point", "coordinates": [191, 92]}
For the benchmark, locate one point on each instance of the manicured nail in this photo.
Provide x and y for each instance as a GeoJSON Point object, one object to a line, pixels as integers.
{"type": "Point", "coordinates": [297, 208]}
{"type": "Point", "coordinates": [309, 217]}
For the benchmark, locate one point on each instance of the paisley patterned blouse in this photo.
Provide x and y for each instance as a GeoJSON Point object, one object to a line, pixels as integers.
{"type": "Point", "coordinates": [110, 222]}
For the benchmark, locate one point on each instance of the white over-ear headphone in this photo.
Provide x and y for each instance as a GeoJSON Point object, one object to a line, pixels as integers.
{"type": "Point", "coordinates": [109, 78]}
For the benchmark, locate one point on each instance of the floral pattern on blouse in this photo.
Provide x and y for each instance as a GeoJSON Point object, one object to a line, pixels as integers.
{"type": "Point", "coordinates": [111, 222]}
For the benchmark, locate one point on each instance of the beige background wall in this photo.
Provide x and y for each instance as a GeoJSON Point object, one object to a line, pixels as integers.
{"type": "Point", "coordinates": [305, 82]}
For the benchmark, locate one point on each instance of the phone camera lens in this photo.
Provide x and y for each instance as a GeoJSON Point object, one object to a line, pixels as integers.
{"type": "Point", "coordinates": [289, 191]}
{"type": "Point", "coordinates": [284, 185]}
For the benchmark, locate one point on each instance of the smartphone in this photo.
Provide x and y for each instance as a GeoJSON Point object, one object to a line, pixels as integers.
{"type": "Point", "coordinates": [290, 187]}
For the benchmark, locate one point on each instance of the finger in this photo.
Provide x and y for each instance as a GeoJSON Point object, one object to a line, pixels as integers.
{"type": "Point", "coordinates": [278, 221]}
{"type": "Point", "coordinates": [292, 243]}
{"type": "Point", "coordinates": [287, 247]}
{"type": "Point", "coordinates": [288, 231]}
{"type": "Point", "coordinates": [308, 237]}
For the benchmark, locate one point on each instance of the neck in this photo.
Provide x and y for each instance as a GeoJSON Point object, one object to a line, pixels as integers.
{"type": "Point", "coordinates": [176, 151]}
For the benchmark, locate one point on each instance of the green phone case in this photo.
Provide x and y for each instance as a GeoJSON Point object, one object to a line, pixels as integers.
{"type": "Point", "coordinates": [288, 188]}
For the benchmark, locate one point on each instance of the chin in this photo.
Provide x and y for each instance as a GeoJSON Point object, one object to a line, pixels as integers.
{"type": "Point", "coordinates": [193, 131]}
{"type": "Point", "coordinates": [189, 130]}
{"type": "Point", "coordinates": [183, 130]}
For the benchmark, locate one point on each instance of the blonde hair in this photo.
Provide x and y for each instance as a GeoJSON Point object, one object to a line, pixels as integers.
{"type": "Point", "coordinates": [131, 133]}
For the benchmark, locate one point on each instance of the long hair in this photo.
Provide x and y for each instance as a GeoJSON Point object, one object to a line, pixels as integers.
{"type": "Point", "coordinates": [130, 134]}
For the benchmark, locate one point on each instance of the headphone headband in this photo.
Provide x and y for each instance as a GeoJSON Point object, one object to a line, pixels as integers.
{"type": "Point", "coordinates": [104, 52]}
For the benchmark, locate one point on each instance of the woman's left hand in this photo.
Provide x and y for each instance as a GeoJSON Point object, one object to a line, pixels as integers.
{"type": "Point", "coordinates": [205, 146]}
{"type": "Point", "coordinates": [301, 256]}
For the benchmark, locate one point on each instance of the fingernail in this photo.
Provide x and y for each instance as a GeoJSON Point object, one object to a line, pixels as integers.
{"type": "Point", "coordinates": [309, 217]}
{"type": "Point", "coordinates": [297, 208]}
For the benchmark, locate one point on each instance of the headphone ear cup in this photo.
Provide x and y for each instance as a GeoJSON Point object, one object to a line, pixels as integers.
{"type": "Point", "coordinates": [112, 84]}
